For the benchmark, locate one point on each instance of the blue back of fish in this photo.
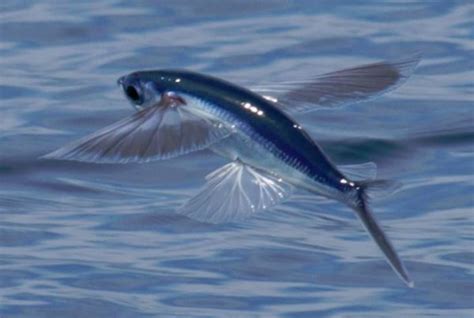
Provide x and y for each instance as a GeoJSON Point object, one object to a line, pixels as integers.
{"type": "Point", "coordinates": [257, 117]}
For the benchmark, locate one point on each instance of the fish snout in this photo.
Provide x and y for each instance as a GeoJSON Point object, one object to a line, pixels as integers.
{"type": "Point", "coordinates": [120, 81]}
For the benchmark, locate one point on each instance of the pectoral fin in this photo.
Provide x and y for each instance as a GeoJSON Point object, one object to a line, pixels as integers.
{"type": "Point", "coordinates": [338, 88]}
{"type": "Point", "coordinates": [234, 192]}
{"type": "Point", "coordinates": [158, 132]}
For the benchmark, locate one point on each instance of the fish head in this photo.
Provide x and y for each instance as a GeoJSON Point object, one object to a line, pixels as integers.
{"type": "Point", "coordinates": [140, 91]}
{"type": "Point", "coordinates": [147, 88]}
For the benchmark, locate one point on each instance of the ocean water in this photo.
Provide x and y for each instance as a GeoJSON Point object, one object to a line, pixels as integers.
{"type": "Point", "coordinates": [85, 240]}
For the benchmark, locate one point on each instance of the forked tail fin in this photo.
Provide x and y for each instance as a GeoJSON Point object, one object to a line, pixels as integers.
{"type": "Point", "coordinates": [373, 228]}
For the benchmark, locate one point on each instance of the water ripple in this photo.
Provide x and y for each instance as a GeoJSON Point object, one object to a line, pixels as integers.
{"type": "Point", "coordinates": [84, 240]}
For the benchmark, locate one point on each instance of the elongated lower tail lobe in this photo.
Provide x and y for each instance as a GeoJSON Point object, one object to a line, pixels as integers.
{"type": "Point", "coordinates": [371, 225]}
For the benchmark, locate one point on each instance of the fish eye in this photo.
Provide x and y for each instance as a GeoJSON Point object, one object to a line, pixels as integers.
{"type": "Point", "coordinates": [132, 93]}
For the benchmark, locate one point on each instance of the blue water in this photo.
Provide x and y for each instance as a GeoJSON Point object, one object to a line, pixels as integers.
{"type": "Point", "coordinates": [85, 240]}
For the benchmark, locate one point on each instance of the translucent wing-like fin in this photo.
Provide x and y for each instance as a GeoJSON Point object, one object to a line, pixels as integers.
{"type": "Point", "coordinates": [356, 172]}
{"type": "Point", "coordinates": [379, 189]}
{"type": "Point", "coordinates": [158, 132]}
{"type": "Point", "coordinates": [365, 175]}
{"type": "Point", "coordinates": [339, 88]}
{"type": "Point", "coordinates": [233, 192]}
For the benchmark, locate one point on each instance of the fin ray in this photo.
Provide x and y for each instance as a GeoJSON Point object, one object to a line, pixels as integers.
{"type": "Point", "coordinates": [235, 191]}
{"type": "Point", "coordinates": [154, 133]}
{"type": "Point", "coordinates": [341, 87]}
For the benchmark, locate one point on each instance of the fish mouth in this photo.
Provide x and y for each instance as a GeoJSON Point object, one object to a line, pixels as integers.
{"type": "Point", "coordinates": [120, 81]}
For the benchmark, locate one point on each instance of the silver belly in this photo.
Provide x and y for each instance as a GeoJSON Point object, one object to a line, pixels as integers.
{"type": "Point", "coordinates": [240, 147]}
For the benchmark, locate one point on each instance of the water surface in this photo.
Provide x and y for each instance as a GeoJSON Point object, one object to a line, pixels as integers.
{"type": "Point", "coordinates": [85, 240]}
